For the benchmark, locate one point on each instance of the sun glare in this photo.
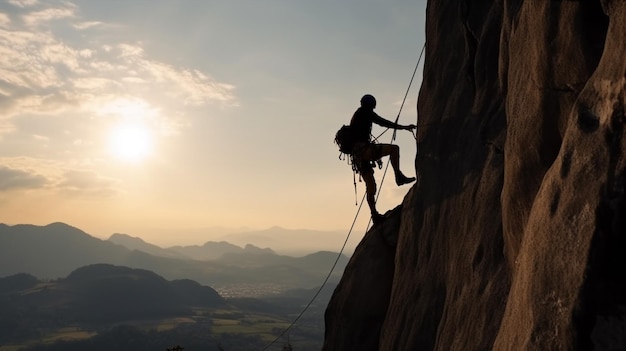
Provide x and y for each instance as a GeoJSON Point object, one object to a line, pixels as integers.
{"type": "Point", "coordinates": [130, 137]}
{"type": "Point", "coordinates": [130, 143]}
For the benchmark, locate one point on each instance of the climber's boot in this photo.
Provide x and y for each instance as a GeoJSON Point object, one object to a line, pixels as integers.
{"type": "Point", "coordinates": [401, 179]}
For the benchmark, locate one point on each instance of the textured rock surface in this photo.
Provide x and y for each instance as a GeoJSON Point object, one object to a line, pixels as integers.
{"type": "Point", "coordinates": [360, 303]}
{"type": "Point", "coordinates": [515, 237]}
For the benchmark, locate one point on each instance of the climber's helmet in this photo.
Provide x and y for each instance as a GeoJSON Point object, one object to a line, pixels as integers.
{"type": "Point", "coordinates": [368, 101]}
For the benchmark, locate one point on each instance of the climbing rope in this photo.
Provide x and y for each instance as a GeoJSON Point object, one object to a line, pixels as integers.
{"type": "Point", "coordinates": [325, 280]}
{"type": "Point", "coordinates": [382, 181]}
{"type": "Point", "coordinates": [404, 100]}
{"type": "Point", "coordinates": [355, 217]}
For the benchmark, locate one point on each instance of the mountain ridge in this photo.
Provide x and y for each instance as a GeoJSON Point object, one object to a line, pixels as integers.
{"type": "Point", "coordinates": [104, 293]}
{"type": "Point", "coordinates": [55, 250]}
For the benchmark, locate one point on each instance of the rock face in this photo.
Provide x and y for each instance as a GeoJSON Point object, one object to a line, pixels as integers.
{"type": "Point", "coordinates": [515, 236]}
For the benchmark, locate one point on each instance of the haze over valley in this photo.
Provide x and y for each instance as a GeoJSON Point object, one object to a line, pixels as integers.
{"type": "Point", "coordinates": [67, 278]}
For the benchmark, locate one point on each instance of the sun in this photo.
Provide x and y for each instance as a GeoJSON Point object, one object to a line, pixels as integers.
{"type": "Point", "coordinates": [130, 143]}
{"type": "Point", "coordinates": [131, 132]}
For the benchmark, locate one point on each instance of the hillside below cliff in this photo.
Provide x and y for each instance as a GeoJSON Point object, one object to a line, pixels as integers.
{"type": "Point", "coordinates": [515, 236]}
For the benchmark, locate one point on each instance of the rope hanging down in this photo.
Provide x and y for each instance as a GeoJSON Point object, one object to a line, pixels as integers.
{"type": "Point", "coordinates": [325, 280]}
{"type": "Point", "coordinates": [382, 181]}
{"type": "Point", "coordinates": [404, 100]}
{"type": "Point", "coordinates": [355, 217]}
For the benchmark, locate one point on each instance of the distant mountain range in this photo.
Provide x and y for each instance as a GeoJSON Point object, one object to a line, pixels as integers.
{"type": "Point", "coordinates": [106, 293]}
{"type": "Point", "coordinates": [290, 241]}
{"type": "Point", "coordinates": [57, 249]}
{"type": "Point", "coordinates": [211, 250]}
{"type": "Point", "coordinates": [97, 295]}
{"type": "Point", "coordinates": [86, 309]}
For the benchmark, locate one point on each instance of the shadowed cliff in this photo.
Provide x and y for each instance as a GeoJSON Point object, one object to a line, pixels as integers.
{"type": "Point", "coordinates": [515, 236]}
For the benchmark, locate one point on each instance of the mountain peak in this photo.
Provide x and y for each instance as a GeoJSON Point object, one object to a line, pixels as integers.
{"type": "Point", "coordinates": [120, 236]}
{"type": "Point", "coordinates": [59, 225]}
{"type": "Point", "coordinates": [257, 250]}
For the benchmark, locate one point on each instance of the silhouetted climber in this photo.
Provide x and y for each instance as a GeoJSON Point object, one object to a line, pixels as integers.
{"type": "Point", "coordinates": [355, 140]}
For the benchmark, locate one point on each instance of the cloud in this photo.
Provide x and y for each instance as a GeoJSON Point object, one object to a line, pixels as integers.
{"type": "Point", "coordinates": [11, 179]}
{"type": "Point", "coordinates": [5, 20]}
{"type": "Point", "coordinates": [87, 25]}
{"type": "Point", "coordinates": [41, 137]}
{"type": "Point", "coordinates": [23, 64]}
{"type": "Point", "coordinates": [86, 183]}
{"type": "Point", "coordinates": [5, 128]}
{"type": "Point", "coordinates": [38, 17]}
{"type": "Point", "coordinates": [44, 73]}
{"type": "Point", "coordinates": [23, 3]}
{"type": "Point", "coordinates": [65, 177]}
{"type": "Point", "coordinates": [194, 87]}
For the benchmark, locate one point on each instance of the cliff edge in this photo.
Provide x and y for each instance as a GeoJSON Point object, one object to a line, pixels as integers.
{"type": "Point", "coordinates": [515, 236]}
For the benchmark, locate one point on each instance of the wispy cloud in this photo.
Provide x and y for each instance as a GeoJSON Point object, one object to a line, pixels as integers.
{"type": "Point", "coordinates": [50, 14]}
{"type": "Point", "coordinates": [87, 25]}
{"type": "Point", "coordinates": [5, 128]}
{"type": "Point", "coordinates": [38, 67]}
{"type": "Point", "coordinates": [86, 183]}
{"type": "Point", "coordinates": [59, 74]}
{"type": "Point", "coordinates": [23, 3]}
{"type": "Point", "coordinates": [194, 87]}
{"type": "Point", "coordinates": [30, 60]}
{"type": "Point", "coordinates": [5, 20]}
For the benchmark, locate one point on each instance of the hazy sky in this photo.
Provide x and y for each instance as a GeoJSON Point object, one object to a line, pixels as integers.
{"type": "Point", "coordinates": [143, 116]}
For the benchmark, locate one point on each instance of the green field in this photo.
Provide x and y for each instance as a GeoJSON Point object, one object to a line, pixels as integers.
{"type": "Point", "coordinates": [218, 323]}
{"type": "Point", "coordinates": [66, 333]}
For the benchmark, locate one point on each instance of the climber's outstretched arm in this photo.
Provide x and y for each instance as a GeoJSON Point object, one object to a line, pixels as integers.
{"type": "Point", "coordinates": [389, 124]}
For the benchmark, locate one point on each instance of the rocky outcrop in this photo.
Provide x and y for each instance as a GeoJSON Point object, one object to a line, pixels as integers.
{"type": "Point", "coordinates": [356, 311]}
{"type": "Point", "coordinates": [515, 236]}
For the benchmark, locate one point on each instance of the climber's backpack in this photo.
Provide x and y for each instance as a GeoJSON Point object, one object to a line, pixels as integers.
{"type": "Point", "coordinates": [345, 139]}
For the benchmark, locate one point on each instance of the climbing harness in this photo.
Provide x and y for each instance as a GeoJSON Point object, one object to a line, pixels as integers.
{"type": "Point", "coordinates": [355, 217]}
{"type": "Point", "coordinates": [355, 162]}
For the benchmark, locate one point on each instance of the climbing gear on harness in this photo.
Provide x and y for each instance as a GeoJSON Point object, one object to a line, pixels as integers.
{"type": "Point", "coordinates": [356, 163]}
